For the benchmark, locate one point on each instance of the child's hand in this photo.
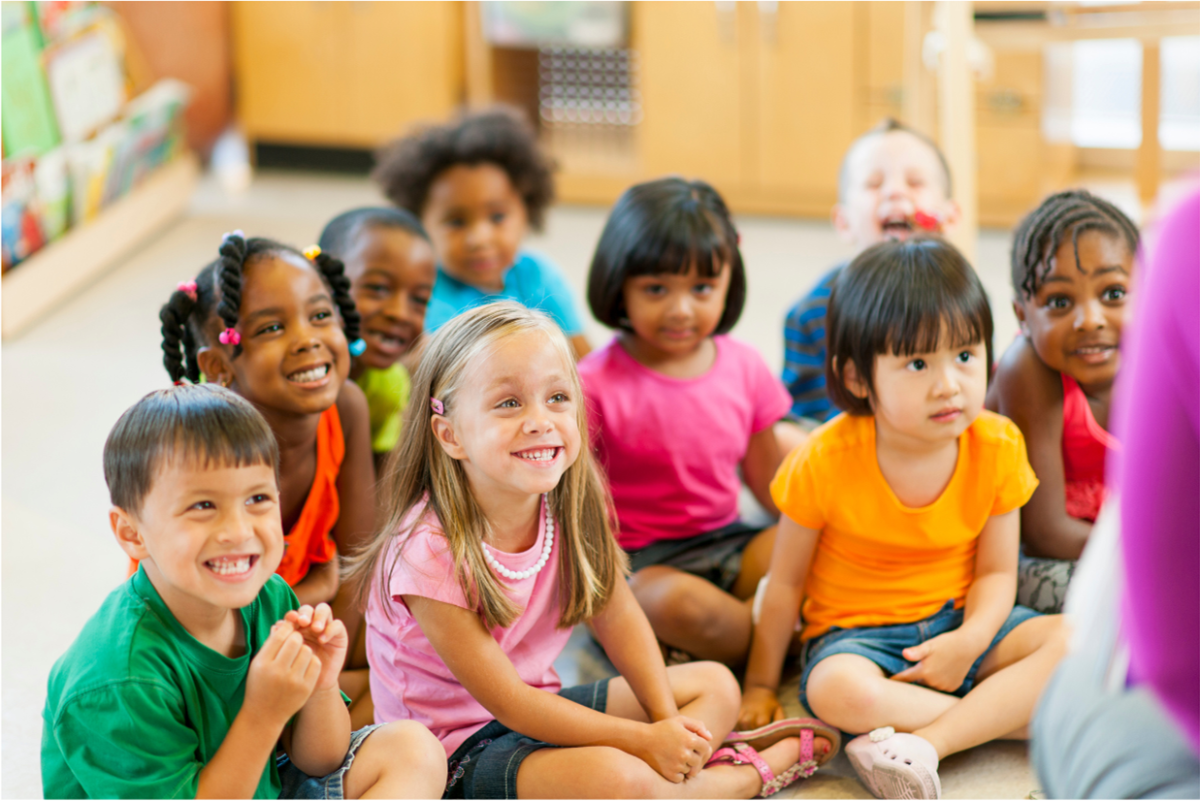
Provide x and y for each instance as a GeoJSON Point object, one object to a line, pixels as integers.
{"type": "Point", "coordinates": [760, 706]}
{"type": "Point", "coordinates": [325, 637]}
{"type": "Point", "coordinates": [677, 748]}
{"type": "Point", "coordinates": [942, 662]}
{"type": "Point", "coordinates": [282, 674]}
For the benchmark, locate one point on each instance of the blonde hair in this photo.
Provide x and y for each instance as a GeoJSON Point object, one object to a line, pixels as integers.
{"type": "Point", "coordinates": [589, 559]}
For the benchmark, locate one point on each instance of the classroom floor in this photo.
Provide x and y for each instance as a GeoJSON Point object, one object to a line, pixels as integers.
{"type": "Point", "coordinates": [67, 380]}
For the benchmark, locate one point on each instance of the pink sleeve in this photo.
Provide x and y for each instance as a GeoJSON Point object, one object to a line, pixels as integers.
{"type": "Point", "coordinates": [425, 568]}
{"type": "Point", "coordinates": [771, 398]}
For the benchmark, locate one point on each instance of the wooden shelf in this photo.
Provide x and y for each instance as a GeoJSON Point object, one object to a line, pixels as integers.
{"type": "Point", "coordinates": [66, 266]}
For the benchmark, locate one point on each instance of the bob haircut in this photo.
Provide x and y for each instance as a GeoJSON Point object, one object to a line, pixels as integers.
{"type": "Point", "coordinates": [902, 298]}
{"type": "Point", "coordinates": [203, 425]}
{"type": "Point", "coordinates": [665, 226]}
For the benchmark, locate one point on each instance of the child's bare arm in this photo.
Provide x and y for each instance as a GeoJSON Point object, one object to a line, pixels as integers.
{"type": "Point", "coordinates": [280, 680]}
{"type": "Point", "coordinates": [356, 494]}
{"type": "Point", "coordinates": [759, 465]}
{"type": "Point", "coordinates": [790, 562]}
{"type": "Point", "coordinates": [625, 633]}
{"type": "Point", "coordinates": [320, 585]}
{"type": "Point", "coordinates": [1030, 394]}
{"type": "Point", "coordinates": [484, 670]}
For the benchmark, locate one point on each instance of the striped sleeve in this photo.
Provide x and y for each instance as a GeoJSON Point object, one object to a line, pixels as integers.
{"type": "Point", "coordinates": [804, 353]}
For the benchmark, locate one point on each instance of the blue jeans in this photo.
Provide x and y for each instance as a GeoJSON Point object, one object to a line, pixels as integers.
{"type": "Point", "coordinates": [486, 764]}
{"type": "Point", "coordinates": [298, 784]}
{"type": "Point", "coordinates": [884, 645]}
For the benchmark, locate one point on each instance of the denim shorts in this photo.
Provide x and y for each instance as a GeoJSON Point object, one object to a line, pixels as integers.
{"type": "Point", "coordinates": [884, 645]}
{"type": "Point", "coordinates": [298, 784]}
{"type": "Point", "coordinates": [715, 556]}
{"type": "Point", "coordinates": [486, 764]}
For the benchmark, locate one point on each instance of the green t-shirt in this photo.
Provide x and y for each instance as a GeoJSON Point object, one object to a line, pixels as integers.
{"type": "Point", "coordinates": [387, 394]}
{"type": "Point", "coordinates": [137, 706]}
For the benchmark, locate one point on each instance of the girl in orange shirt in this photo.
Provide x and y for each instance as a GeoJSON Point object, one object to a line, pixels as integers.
{"type": "Point", "coordinates": [900, 532]}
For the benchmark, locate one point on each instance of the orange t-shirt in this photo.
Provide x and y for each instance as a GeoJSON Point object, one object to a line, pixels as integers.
{"type": "Point", "coordinates": [878, 562]}
{"type": "Point", "coordinates": [310, 541]}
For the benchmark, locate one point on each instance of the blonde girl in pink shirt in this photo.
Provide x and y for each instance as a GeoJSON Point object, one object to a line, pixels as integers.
{"type": "Point", "coordinates": [497, 542]}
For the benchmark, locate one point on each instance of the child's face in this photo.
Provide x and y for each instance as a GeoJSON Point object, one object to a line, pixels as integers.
{"type": "Point", "coordinates": [294, 353]}
{"type": "Point", "coordinates": [1074, 319]}
{"type": "Point", "coordinates": [930, 397]}
{"type": "Point", "coordinates": [676, 313]}
{"type": "Point", "coordinates": [391, 275]}
{"type": "Point", "coordinates": [889, 178]}
{"type": "Point", "coordinates": [209, 536]}
{"type": "Point", "coordinates": [476, 220]}
{"type": "Point", "coordinates": [515, 425]}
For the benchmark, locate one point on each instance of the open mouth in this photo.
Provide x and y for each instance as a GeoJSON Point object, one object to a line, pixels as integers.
{"type": "Point", "coordinates": [1095, 354]}
{"type": "Point", "coordinates": [309, 375]}
{"type": "Point", "coordinates": [232, 566]}
{"type": "Point", "coordinates": [389, 341]}
{"type": "Point", "coordinates": [542, 455]}
{"type": "Point", "coordinates": [897, 226]}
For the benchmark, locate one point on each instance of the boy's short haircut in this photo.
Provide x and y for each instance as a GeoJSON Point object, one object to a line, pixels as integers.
{"type": "Point", "coordinates": [899, 298]}
{"type": "Point", "coordinates": [203, 424]}
{"type": "Point", "coordinates": [885, 126]}
{"type": "Point", "coordinates": [407, 168]}
{"type": "Point", "coordinates": [338, 234]}
{"type": "Point", "coordinates": [665, 226]}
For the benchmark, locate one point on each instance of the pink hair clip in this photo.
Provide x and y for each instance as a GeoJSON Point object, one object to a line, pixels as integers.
{"type": "Point", "coordinates": [188, 288]}
{"type": "Point", "coordinates": [311, 252]}
{"type": "Point", "coordinates": [230, 337]}
{"type": "Point", "coordinates": [437, 406]}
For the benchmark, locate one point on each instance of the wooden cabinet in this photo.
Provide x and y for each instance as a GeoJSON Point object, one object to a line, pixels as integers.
{"type": "Point", "coordinates": [352, 74]}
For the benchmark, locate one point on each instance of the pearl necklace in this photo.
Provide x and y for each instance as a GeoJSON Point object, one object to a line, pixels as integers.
{"type": "Point", "coordinates": [517, 575]}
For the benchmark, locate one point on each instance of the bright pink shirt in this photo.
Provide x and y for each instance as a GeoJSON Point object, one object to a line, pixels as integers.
{"type": "Point", "coordinates": [409, 681]}
{"type": "Point", "coordinates": [672, 446]}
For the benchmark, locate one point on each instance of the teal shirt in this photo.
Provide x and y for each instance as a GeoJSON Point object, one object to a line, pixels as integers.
{"type": "Point", "coordinates": [533, 281]}
{"type": "Point", "coordinates": [137, 706]}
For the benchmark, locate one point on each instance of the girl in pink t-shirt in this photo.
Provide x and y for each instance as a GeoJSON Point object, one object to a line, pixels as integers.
{"type": "Point", "coordinates": [497, 543]}
{"type": "Point", "coordinates": [678, 409]}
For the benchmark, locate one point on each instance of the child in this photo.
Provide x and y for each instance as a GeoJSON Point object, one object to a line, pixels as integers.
{"type": "Point", "coordinates": [272, 324]}
{"type": "Point", "coordinates": [893, 182]}
{"type": "Point", "coordinates": [497, 543]}
{"type": "Point", "coordinates": [1072, 263]}
{"type": "Point", "coordinates": [191, 672]}
{"type": "Point", "coordinates": [478, 186]}
{"type": "Point", "coordinates": [899, 533]}
{"type": "Point", "coordinates": [677, 408]}
{"type": "Point", "coordinates": [389, 261]}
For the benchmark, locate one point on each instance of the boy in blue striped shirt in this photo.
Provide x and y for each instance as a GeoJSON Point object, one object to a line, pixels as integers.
{"type": "Point", "coordinates": [893, 183]}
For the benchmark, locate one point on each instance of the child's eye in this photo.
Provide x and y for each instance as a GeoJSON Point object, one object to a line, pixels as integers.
{"type": "Point", "coordinates": [703, 289]}
{"type": "Point", "coordinates": [261, 497]}
{"type": "Point", "coordinates": [1058, 302]}
{"type": "Point", "coordinates": [654, 289]}
{"type": "Point", "coordinates": [498, 217]}
{"type": "Point", "coordinates": [511, 403]}
{"type": "Point", "coordinates": [269, 328]}
{"type": "Point", "coordinates": [202, 506]}
{"type": "Point", "coordinates": [916, 365]}
{"type": "Point", "coordinates": [965, 357]}
{"type": "Point", "coordinates": [420, 301]}
{"type": "Point", "coordinates": [1114, 294]}
{"type": "Point", "coordinates": [378, 290]}
{"type": "Point", "coordinates": [559, 397]}
{"type": "Point", "coordinates": [322, 315]}
{"type": "Point", "coordinates": [455, 222]}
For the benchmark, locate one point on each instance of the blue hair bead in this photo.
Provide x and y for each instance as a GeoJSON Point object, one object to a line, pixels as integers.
{"type": "Point", "coordinates": [357, 347]}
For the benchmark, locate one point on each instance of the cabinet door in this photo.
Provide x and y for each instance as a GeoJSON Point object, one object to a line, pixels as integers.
{"type": "Point", "coordinates": [694, 123]}
{"type": "Point", "coordinates": [805, 98]}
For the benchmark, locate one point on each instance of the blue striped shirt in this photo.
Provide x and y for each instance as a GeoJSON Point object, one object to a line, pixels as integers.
{"type": "Point", "coordinates": [804, 352]}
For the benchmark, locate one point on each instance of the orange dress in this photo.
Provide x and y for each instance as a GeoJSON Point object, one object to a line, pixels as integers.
{"type": "Point", "coordinates": [310, 541]}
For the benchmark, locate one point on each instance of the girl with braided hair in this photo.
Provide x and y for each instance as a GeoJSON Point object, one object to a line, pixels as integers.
{"type": "Point", "coordinates": [278, 327]}
{"type": "Point", "coordinates": [1072, 265]}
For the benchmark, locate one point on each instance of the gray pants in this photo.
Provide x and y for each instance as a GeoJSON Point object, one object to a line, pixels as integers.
{"type": "Point", "coordinates": [1042, 583]}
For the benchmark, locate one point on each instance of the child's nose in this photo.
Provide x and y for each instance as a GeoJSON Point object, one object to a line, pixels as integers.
{"type": "Point", "coordinates": [537, 421]}
{"type": "Point", "coordinates": [1090, 316]}
{"type": "Point", "coordinates": [236, 528]}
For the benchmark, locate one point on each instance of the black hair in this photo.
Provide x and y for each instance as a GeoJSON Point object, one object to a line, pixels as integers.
{"type": "Point", "coordinates": [1041, 233]}
{"type": "Point", "coordinates": [665, 226]}
{"type": "Point", "coordinates": [890, 125]}
{"type": "Point", "coordinates": [339, 234]}
{"type": "Point", "coordinates": [901, 298]}
{"type": "Point", "coordinates": [219, 291]}
{"type": "Point", "coordinates": [205, 425]}
{"type": "Point", "coordinates": [407, 168]}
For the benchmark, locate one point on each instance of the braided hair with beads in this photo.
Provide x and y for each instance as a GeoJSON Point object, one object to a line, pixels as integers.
{"type": "Point", "coordinates": [1039, 236]}
{"type": "Point", "coordinates": [218, 290]}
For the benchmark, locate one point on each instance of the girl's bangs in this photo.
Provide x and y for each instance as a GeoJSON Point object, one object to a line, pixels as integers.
{"type": "Point", "coordinates": [678, 244]}
{"type": "Point", "coordinates": [931, 321]}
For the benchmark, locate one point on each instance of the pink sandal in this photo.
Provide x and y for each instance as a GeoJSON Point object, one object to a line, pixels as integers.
{"type": "Point", "coordinates": [744, 754]}
{"type": "Point", "coordinates": [767, 736]}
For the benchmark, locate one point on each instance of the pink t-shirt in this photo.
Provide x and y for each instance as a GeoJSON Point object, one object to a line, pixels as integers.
{"type": "Point", "coordinates": [672, 446]}
{"type": "Point", "coordinates": [409, 681]}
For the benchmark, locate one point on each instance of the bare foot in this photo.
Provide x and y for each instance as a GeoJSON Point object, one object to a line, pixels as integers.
{"type": "Point", "coordinates": [783, 754]}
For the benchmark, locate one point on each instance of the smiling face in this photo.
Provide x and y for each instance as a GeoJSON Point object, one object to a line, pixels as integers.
{"type": "Point", "coordinates": [673, 314]}
{"type": "Point", "coordinates": [476, 220]}
{"type": "Point", "coordinates": [209, 537]}
{"type": "Point", "coordinates": [928, 397]}
{"type": "Point", "coordinates": [294, 354]}
{"type": "Point", "coordinates": [391, 273]}
{"type": "Point", "coordinates": [889, 177]}
{"type": "Point", "coordinates": [1074, 319]}
{"type": "Point", "coordinates": [514, 425]}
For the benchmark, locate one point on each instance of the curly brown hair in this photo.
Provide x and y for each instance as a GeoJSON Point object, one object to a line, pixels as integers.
{"type": "Point", "coordinates": [406, 168]}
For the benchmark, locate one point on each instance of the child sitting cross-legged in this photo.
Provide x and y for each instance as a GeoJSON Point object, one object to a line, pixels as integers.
{"type": "Point", "coordinates": [900, 531]}
{"type": "Point", "coordinates": [202, 676]}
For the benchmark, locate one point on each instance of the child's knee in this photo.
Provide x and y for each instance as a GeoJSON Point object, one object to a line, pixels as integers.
{"type": "Point", "coordinates": [717, 682]}
{"type": "Point", "coordinates": [684, 606]}
{"type": "Point", "coordinates": [840, 696]}
{"type": "Point", "coordinates": [408, 748]}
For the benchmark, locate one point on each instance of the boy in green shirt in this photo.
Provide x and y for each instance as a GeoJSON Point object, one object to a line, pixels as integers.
{"type": "Point", "coordinates": [194, 670]}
